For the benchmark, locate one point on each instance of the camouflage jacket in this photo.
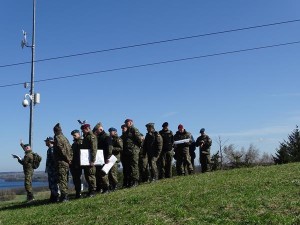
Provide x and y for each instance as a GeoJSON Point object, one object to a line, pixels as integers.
{"type": "Point", "coordinates": [90, 142]}
{"type": "Point", "coordinates": [27, 161]}
{"type": "Point", "coordinates": [168, 140]}
{"type": "Point", "coordinates": [117, 144]}
{"type": "Point", "coordinates": [62, 149]}
{"type": "Point", "coordinates": [132, 139]}
{"type": "Point", "coordinates": [153, 144]}
{"type": "Point", "coordinates": [180, 136]}
{"type": "Point", "coordinates": [205, 139]}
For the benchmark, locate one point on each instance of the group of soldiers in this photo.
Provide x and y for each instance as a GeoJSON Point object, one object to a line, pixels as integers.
{"type": "Point", "coordinates": [143, 158]}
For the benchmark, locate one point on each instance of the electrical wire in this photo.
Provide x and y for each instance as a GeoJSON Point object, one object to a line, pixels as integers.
{"type": "Point", "coordinates": [157, 63]}
{"type": "Point", "coordinates": [152, 43]}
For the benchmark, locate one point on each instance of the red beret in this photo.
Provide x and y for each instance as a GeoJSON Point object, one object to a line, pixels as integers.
{"type": "Point", "coordinates": [128, 120]}
{"type": "Point", "coordinates": [84, 126]}
{"type": "Point", "coordinates": [180, 126]}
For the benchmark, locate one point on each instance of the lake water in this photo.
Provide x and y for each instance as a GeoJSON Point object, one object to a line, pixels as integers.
{"type": "Point", "coordinates": [18, 184]}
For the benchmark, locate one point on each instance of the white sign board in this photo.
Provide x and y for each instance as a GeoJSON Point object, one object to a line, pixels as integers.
{"type": "Point", "coordinates": [182, 141]}
{"type": "Point", "coordinates": [85, 157]}
{"type": "Point", "coordinates": [111, 161]}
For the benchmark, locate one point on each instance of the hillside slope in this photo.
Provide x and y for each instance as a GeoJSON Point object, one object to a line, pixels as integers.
{"type": "Point", "coordinates": [260, 195]}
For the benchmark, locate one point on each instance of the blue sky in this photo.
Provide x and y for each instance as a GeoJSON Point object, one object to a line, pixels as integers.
{"type": "Point", "coordinates": [247, 98]}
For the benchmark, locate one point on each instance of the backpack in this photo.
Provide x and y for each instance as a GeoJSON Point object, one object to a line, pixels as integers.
{"type": "Point", "coordinates": [36, 160]}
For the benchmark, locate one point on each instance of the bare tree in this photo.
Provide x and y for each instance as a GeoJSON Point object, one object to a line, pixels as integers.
{"type": "Point", "coordinates": [221, 145]}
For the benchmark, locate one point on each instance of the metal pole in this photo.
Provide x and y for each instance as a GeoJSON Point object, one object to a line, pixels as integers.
{"type": "Point", "coordinates": [32, 77]}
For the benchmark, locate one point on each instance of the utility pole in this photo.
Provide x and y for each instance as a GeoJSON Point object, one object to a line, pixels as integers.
{"type": "Point", "coordinates": [32, 103]}
{"type": "Point", "coordinates": [34, 97]}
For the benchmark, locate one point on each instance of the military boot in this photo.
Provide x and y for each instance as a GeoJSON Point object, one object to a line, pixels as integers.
{"type": "Point", "coordinates": [64, 198]}
{"type": "Point", "coordinates": [30, 197]}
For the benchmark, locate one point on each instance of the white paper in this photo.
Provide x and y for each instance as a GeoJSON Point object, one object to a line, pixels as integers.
{"type": "Point", "coordinates": [85, 157]}
{"type": "Point", "coordinates": [182, 141]}
{"type": "Point", "coordinates": [111, 161]}
{"type": "Point", "coordinates": [16, 156]}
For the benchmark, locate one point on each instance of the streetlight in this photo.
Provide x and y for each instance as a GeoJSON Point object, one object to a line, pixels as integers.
{"type": "Point", "coordinates": [33, 97]}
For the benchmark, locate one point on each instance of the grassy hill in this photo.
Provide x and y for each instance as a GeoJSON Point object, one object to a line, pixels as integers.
{"type": "Point", "coordinates": [260, 195]}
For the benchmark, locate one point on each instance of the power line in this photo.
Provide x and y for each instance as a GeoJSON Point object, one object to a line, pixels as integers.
{"type": "Point", "coordinates": [152, 43]}
{"type": "Point", "coordinates": [157, 63]}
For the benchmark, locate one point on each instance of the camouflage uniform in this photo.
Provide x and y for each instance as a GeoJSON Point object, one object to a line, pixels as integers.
{"type": "Point", "coordinates": [117, 144]}
{"type": "Point", "coordinates": [204, 141]}
{"type": "Point", "coordinates": [166, 156]}
{"type": "Point", "coordinates": [90, 142]}
{"type": "Point", "coordinates": [51, 169]}
{"type": "Point", "coordinates": [132, 141]}
{"type": "Point", "coordinates": [153, 146]}
{"type": "Point", "coordinates": [63, 156]}
{"type": "Point", "coordinates": [104, 143]}
{"type": "Point", "coordinates": [182, 154]}
{"type": "Point", "coordinates": [28, 172]}
{"type": "Point", "coordinates": [125, 165]}
{"type": "Point", "coordinates": [192, 149]}
{"type": "Point", "coordinates": [143, 165]}
{"type": "Point", "coordinates": [75, 168]}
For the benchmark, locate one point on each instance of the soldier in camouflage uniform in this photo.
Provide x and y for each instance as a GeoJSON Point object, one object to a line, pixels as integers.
{"type": "Point", "coordinates": [75, 168]}
{"type": "Point", "coordinates": [104, 143]}
{"type": "Point", "coordinates": [125, 164]}
{"type": "Point", "coordinates": [182, 154]}
{"type": "Point", "coordinates": [27, 169]}
{"type": "Point", "coordinates": [152, 146]}
{"type": "Point", "coordinates": [166, 156]}
{"type": "Point", "coordinates": [132, 141]}
{"type": "Point", "coordinates": [117, 145]}
{"type": "Point", "coordinates": [204, 142]}
{"type": "Point", "coordinates": [51, 169]}
{"type": "Point", "coordinates": [90, 142]}
{"type": "Point", "coordinates": [63, 156]}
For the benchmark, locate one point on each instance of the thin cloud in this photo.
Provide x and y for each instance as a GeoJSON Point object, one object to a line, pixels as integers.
{"type": "Point", "coordinates": [261, 132]}
{"type": "Point", "coordinates": [169, 114]}
{"type": "Point", "coordinates": [286, 95]}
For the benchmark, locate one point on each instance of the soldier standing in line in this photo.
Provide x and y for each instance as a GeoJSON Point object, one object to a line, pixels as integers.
{"type": "Point", "coordinates": [75, 167]}
{"type": "Point", "coordinates": [152, 146]}
{"type": "Point", "coordinates": [27, 162]}
{"type": "Point", "coordinates": [132, 141]}
{"type": "Point", "coordinates": [166, 156]}
{"type": "Point", "coordinates": [183, 157]}
{"type": "Point", "coordinates": [90, 142]}
{"type": "Point", "coordinates": [104, 143]}
{"type": "Point", "coordinates": [117, 145]}
{"type": "Point", "coordinates": [125, 165]}
{"type": "Point", "coordinates": [204, 142]}
{"type": "Point", "coordinates": [63, 156]}
{"type": "Point", "coordinates": [51, 169]}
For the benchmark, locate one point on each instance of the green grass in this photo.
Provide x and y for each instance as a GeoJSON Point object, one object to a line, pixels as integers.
{"type": "Point", "coordinates": [260, 195]}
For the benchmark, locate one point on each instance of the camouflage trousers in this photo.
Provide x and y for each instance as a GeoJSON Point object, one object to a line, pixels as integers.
{"type": "Point", "coordinates": [183, 160]}
{"type": "Point", "coordinates": [113, 176]}
{"type": "Point", "coordinates": [131, 158]}
{"type": "Point", "coordinates": [165, 164]}
{"type": "Point", "coordinates": [152, 162]}
{"type": "Point", "coordinates": [101, 179]}
{"type": "Point", "coordinates": [143, 168]}
{"type": "Point", "coordinates": [28, 181]}
{"type": "Point", "coordinates": [89, 174]}
{"type": "Point", "coordinates": [53, 181]}
{"type": "Point", "coordinates": [205, 162]}
{"type": "Point", "coordinates": [63, 175]}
